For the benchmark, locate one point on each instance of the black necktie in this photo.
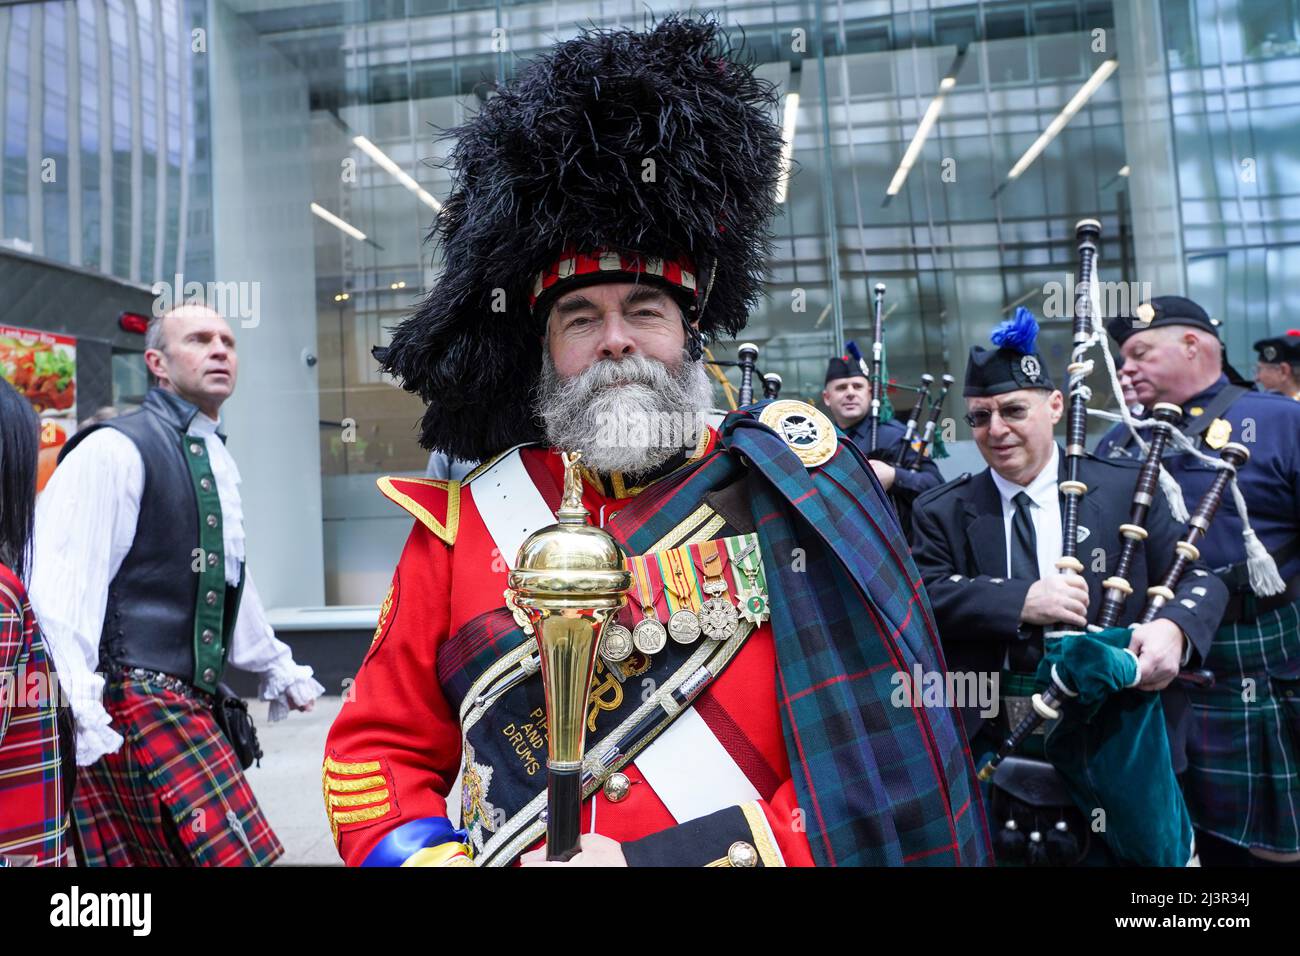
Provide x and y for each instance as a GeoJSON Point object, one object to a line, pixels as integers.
{"type": "Point", "coordinates": [1024, 546]}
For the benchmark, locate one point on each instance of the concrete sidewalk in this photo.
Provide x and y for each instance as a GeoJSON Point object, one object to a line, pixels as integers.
{"type": "Point", "coordinates": [288, 784]}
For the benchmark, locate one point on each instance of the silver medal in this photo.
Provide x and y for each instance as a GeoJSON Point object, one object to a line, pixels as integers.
{"type": "Point", "coordinates": [616, 643]}
{"type": "Point", "coordinates": [649, 636]}
{"type": "Point", "coordinates": [684, 627]}
{"type": "Point", "coordinates": [718, 618]}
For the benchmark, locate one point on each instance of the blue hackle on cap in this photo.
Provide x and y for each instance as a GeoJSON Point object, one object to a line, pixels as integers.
{"type": "Point", "coordinates": [1019, 333]}
{"type": "Point", "coordinates": [852, 348]}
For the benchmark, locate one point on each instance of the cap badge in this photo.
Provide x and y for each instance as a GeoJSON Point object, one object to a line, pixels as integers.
{"type": "Point", "coordinates": [1146, 313]}
{"type": "Point", "coordinates": [807, 431]}
{"type": "Point", "coordinates": [1270, 353]}
{"type": "Point", "coordinates": [1031, 368]}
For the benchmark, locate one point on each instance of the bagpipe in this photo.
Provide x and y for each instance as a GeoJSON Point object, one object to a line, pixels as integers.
{"type": "Point", "coordinates": [1108, 748]}
{"type": "Point", "coordinates": [931, 427]}
{"type": "Point", "coordinates": [877, 363]}
{"type": "Point", "coordinates": [1047, 705]}
{"type": "Point", "coordinates": [747, 362]}
{"type": "Point", "coordinates": [876, 375]}
{"type": "Point", "coordinates": [1152, 477]}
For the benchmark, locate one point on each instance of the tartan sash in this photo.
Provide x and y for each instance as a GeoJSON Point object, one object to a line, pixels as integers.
{"type": "Point", "coordinates": [879, 784]}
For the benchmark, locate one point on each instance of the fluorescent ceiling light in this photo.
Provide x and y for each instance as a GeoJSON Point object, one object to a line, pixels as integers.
{"type": "Point", "coordinates": [1099, 76]}
{"type": "Point", "coordinates": [337, 223]}
{"type": "Point", "coordinates": [918, 139]}
{"type": "Point", "coordinates": [390, 167]}
{"type": "Point", "coordinates": [787, 143]}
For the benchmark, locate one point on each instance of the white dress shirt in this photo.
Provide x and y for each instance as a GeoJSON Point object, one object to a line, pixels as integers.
{"type": "Point", "coordinates": [85, 525]}
{"type": "Point", "coordinates": [1045, 512]}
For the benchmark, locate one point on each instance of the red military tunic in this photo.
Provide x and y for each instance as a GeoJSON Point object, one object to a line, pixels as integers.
{"type": "Point", "coordinates": [394, 751]}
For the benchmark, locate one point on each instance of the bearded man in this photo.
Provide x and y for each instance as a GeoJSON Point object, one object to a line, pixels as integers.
{"type": "Point", "coordinates": [741, 696]}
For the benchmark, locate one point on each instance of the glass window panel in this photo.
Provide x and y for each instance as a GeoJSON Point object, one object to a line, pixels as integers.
{"type": "Point", "coordinates": [1180, 33]}
{"type": "Point", "coordinates": [1004, 23]}
{"type": "Point", "coordinates": [54, 191]}
{"type": "Point", "coordinates": [17, 86]}
{"type": "Point", "coordinates": [955, 29]}
{"type": "Point", "coordinates": [1268, 27]}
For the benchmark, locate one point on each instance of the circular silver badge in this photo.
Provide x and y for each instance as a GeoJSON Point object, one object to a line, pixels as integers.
{"type": "Point", "coordinates": [615, 643]}
{"type": "Point", "coordinates": [649, 636]}
{"type": "Point", "coordinates": [1030, 367]}
{"type": "Point", "coordinates": [1270, 354]}
{"type": "Point", "coordinates": [684, 627]}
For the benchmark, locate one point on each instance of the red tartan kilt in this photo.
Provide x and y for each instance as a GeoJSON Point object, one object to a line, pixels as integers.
{"type": "Point", "coordinates": [173, 794]}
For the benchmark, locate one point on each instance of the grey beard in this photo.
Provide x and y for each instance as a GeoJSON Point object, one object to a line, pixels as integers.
{"type": "Point", "coordinates": [635, 426]}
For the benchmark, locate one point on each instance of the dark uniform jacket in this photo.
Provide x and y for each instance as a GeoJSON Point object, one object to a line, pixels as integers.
{"type": "Point", "coordinates": [907, 484]}
{"type": "Point", "coordinates": [960, 549]}
{"type": "Point", "coordinates": [1267, 424]}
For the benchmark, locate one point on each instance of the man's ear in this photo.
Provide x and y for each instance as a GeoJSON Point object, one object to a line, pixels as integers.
{"type": "Point", "coordinates": [153, 362]}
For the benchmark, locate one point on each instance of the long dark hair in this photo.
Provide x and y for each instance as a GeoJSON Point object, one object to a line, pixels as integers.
{"type": "Point", "coordinates": [19, 447]}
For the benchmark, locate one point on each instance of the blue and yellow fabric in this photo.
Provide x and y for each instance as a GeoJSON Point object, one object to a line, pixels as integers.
{"type": "Point", "coordinates": [431, 841]}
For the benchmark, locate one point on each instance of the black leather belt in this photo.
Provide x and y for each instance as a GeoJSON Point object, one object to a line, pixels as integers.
{"type": "Point", "coordinates": [168, 681]}
{"type": "Point", "coordinates": [1244, 607]}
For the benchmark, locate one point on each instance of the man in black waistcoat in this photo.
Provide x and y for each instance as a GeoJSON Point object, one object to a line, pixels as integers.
{"type": "Point", "coordinates": [986, 546]}
{"type": "Point", "coordinates": [139, 576]}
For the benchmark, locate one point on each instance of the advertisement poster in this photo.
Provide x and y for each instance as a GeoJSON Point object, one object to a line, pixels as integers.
{"type": "Point", "coordinates": [42, 366]}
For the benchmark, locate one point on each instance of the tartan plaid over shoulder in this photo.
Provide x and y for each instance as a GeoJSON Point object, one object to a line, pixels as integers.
{"type": "Point", "coordinates": [33, 755]}
{"type": "Point", "coordinates": [880, 784]}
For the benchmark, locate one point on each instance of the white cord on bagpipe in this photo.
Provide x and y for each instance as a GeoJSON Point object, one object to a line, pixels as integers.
{"type": "Point", "coordinates": [1261, 569]}
{"type": "Point", "coordinates": [1172, 492]}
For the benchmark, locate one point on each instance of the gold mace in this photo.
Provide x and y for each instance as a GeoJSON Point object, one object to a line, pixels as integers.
{"type": "Point", "coordinates": [569, 580]}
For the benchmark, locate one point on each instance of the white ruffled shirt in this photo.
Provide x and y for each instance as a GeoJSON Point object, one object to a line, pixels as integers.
{"type": "Point", "coordinates": [85, 524]}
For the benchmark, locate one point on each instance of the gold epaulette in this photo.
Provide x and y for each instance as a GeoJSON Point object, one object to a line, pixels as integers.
{"type": "Point", "coordinates": [431, 501]}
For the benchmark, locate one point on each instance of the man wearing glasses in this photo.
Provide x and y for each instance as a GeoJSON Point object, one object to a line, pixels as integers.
{"type": "Point", "coordinates": [987, 546]}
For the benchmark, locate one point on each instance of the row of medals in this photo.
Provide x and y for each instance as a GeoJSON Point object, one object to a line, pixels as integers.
{"type": "Point", "coordinates": [718, 620]}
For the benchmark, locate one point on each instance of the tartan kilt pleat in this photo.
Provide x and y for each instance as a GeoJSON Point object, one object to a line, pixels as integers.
{"type": "Point", "coordinates": [173, 794]}
{"type": "Point", "coordinates": [1243, 776]}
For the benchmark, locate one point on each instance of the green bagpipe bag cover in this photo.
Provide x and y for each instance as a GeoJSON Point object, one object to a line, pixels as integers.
{"type": "Point", "coordinates": [1111, 747]}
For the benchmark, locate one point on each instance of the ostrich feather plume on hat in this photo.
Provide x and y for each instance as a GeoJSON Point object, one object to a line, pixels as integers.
{"type": "Point", "coordinates": [661, 145]}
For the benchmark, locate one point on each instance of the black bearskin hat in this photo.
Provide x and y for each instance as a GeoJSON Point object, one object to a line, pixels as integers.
{"type": "Point", "coordinates": [557, 160]}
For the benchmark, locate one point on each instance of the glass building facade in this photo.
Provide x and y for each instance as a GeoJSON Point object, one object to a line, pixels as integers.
{"type": "Point", "coordinates": [99, 143]}
{"type": "Point", "coordinates": [194, 138]}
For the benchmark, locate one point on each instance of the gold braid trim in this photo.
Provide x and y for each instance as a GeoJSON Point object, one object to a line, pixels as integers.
{"type": "Point", "coordinates": [352, 786]}
{"type": "Point", "coordinates": [357, 799]}
{"type": "Point", "coordinates": [764, 842]}
{"type": "Point", "coordinates": [333, 766]}
{"type": "Point", "coordinates": [445, 532]}
{"type": "Point", "coordinates": [360, 816]}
